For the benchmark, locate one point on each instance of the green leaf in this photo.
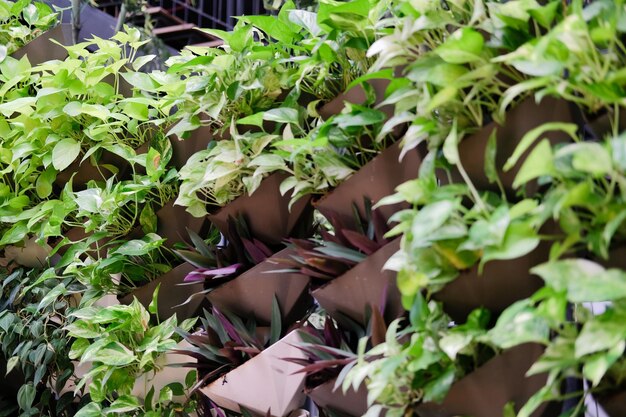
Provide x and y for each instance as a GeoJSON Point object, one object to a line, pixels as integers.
{"type": "Point", "coordinates": [531, 136]}
{"type": "Point", "coordinates": [3, 52]}
{"type": "Point", "coordinates": [491, 170]}
{"type": "Point", "coordinates": [90, 410]}
{"type": "Point", "coordinates": [451, 145]}
{"type": "Point", "coordinates": [111, 354]}
{"type": "Point", "coordinates": [153, 307]}
{"type": "Point", "coordinates": [596, 366]}
{"type": "Point", "coordinates": [519, 240]}
{"type": "Point", "coordinates": [123, 404]}
{"type": "Point", "coordinates": [436, 389]}
{"type": "Point", "coordinates": [12, 363]}
{"type": "Point", "coordinates": [252, 120]}
{"type": "Point", "coordinates": [584, 281]}
{"type": "Point", "coordinates": [140, 80]}
{"type": "Point", "coordinates": [282, 115]}
{"type": "Point", "coordinates": [64, 153]}
{"type": "Point", "coordinates": [26, 396]}
{"type": "Point", "coordinates": [540, 162]}
{"type": "Point", "coordinates": [597, 336]}
{"type": "Point", "coordinates": [463, 46]}
{"type": "Point", "coordinates": [592, 158]}
{"type": "Point", "coordinates": [276, 323]}
{"type": "Point", "coordinates": [520, 323]}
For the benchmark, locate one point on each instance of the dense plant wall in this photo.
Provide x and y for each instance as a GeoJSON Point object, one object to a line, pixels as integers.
{"type": "Point", "coordinates": [380, 205]}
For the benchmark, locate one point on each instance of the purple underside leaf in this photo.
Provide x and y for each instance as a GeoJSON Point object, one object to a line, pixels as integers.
{"type": "Point", "coordinates": [201, 274]}
{"type": "Point", "coordinates": [248, 349]}
{"type": "Point", "coordinates": [303, 244]}
{"type": "Point", "coordinates": [328, 237]}
{"type": "Point", "coordinates": [322, 366]}
{"type": "Point", "coordinates": [315, 274]}
{"type": "Point", "coordinates": [361, 242]}
{"type": "Point", "coordinates": [257, 254]}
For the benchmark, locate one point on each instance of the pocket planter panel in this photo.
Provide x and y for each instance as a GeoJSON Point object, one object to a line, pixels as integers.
{"type": "Point", "coordinates": [501, 284]}
{"type": "Point", "coordinates": [265, 383]}
{"type": "Point", "coordinates": [42, 49]}
{"type": "Point", "coordinates": [365, 284]}
{"type": "Point", "coordinates": [267, 212]}
{"type": "Point", "coordinates": [524, 117]}
{"type": "Point", "coordinates": [351, 403]}
{"type": "Point", "coordinates": [375, 180]}
{"type": "Point", "coordinates": [484, 392]}
{"type": "Point", "coordinates": [251, 294]}
{"type": "Point", "coordinates": [172, 222]}
{"type": "Point", "coordinates": [171, 294]}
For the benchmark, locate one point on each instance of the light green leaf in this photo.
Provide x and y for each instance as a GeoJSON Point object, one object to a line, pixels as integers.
{"type": "Point", "coordinates": [64, 153]}
{"type": "Point", "coordinates": [540, 162]}
{"type": "Point", "coordinates": [531, 136]}
{"type": "Point", "coordinates": [123, 404]}
{"type": "Point", "coordinates": [282, 115]}
{"type": "Point", "coordinates": [584, 280]}
{"type": "Point", "coordinates": [463, 46]}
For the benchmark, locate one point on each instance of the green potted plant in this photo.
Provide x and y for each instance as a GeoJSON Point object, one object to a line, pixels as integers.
{"type": "Point", "coordinates": [347, 158]}
{"type": "Point", "coordinates": [123, 349]}
{"type": "Point", "coordinates": [466, 256]}
{"type": "Point", "coordinates": [431, 369]}
{"type": "Point", "coordinates": [27, 29]}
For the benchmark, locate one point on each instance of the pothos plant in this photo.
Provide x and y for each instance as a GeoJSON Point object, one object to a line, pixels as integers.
{"type": "Point", "coordinates": [419, 363]}
{"type": "Point", "coordinates": [442, 237]}
{"type": "Point", "coordinates": [587, 45]}
{"type": "Point", "coordinates": [331, 152]}
{"type": "Point", "coordinates": [21, 22]}
{"type": "Point", "coordinates": [450, 52]}
{"type": "Point", "coordinates": [122, 346]}
{"type": "Point", "coordinates": [590, 347]}
{"type": "Point", "coordinates": [228, 169]}
{"type": "Point", "coordinates": [129, 264]}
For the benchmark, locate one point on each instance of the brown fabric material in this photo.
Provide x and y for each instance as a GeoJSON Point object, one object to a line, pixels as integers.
{"type": "Point", "coordinates": [365, 284]}
{"type": "Point", "coordinates": [41, 49]}
{"type": "Point", "coordinates": [501, 284]}
{"type": "Point", "coordinates": [171, 294]}
{"type": "Point", "coordinates": [614, 405]}
{"type": "Point", "coordinates": [356, 95]}
{"type": "Point", "coordinates": [352, 403]}
{"type": "Point", "coordinates": [525, 116]}
{"type": "Point", "coordinates": [252, 293]}
{"type": "Point", "coordinates": [266, 212]}
{"type": "Point", "coordinates": [375, 180]}
{"type": "Point", "coordinates": [484, 392]}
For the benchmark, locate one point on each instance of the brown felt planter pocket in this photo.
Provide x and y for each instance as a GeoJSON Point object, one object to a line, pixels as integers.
{"type": "Point", "coordinates": [375, 180]}
{"type": "Point", "coordinates": [501, 284]}
{"type": "Point", "coordinates": [614, 405]}
{"type": "Point", "coordinates": [251, 294]}
{"type": "Point", "coordinates": [171, 294]}
{"type": "Point", "coordinates": [264, 384]}
{"type": "Point", "coordinates": [267, 212]}
{"type": "Point", "coordinates": [526, 116]}
{"type": "Point", "coordinates": [365, 284]}
{"type": "Point", "coordinates": [173, 222]}
{"type": "Point", "coordinates": [351, 403]}
{"type": "Point", "coordinates": [484, 392]}
{"type": "Point", "coordinates": [42, 49]}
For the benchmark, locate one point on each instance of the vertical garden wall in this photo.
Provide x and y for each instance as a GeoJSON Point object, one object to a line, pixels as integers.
{"type": "Point", "coordinates": [352, 208]}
